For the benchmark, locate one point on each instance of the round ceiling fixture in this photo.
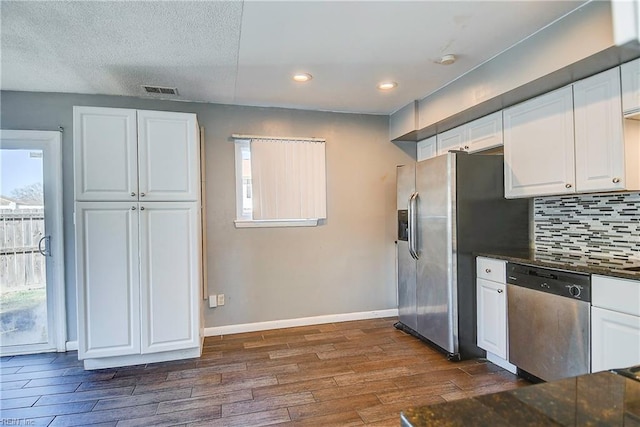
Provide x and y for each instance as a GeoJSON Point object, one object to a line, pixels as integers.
{"type": "Point", "coordinates": [387, 85]}
{"type": "Point", "coordinates": [302, 77]}
{"type": "Point", "coordinates": [448, 59]}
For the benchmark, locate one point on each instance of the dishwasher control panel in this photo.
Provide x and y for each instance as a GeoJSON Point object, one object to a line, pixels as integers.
{"type": "Point", "coordinates": [558, 282]}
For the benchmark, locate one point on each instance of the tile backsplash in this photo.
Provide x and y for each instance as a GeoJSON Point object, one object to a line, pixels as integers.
{"type": "Point", "coordinates": [594, 226]}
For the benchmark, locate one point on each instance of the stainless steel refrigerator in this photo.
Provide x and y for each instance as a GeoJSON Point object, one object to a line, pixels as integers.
{"type": "Point", "coordinates": [450, 208]}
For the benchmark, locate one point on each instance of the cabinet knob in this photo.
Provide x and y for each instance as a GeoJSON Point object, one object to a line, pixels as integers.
{"type": "Point", "coordinates": [141, 208]}
{"type": "Point", "coordinates": [141, 194]}
{"type": "Point", "coordinates": [616, 180]}
{"type": "Point", "coordinates": [568, 185]}
{"type": "Point", "coordinates": [499, 291]}
{"type": "Point", "coordinates": [487, 270]}
{"type": "Point", "coordinates": [466, 147]}
{"type": "Point", "coordinates": [133, 208]}
{"type": "Point", "coordinates": [133, 194]}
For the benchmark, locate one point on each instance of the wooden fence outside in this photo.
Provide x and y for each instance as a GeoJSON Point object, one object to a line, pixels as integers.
{"type": "Point", "coordinates": [21, 264]}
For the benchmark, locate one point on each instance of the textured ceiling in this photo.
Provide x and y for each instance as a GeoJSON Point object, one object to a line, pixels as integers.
{"type": "Point", "coordinates": [244, 53]}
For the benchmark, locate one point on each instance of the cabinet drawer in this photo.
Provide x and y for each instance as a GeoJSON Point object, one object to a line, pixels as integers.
{"type": "Point", "coordinates": [616, 294]}
{"type": "Point", "coordinates": [491, 269]}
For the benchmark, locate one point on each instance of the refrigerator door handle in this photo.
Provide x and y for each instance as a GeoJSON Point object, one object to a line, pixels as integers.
{"type": "Point", "coordinates": [412, 226]}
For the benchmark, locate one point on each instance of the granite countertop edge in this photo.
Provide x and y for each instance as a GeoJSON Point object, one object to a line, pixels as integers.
{"type": "Point", "coordinates": [526, 257]}
{"type": "Point", "coordinates": [601, 398]}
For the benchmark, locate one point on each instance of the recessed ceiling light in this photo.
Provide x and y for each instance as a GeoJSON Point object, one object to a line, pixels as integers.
{"type": "Point", "coordinates": [448, 59]}
{"type": "Point", "coordinates": [387, 85]}
{"type": "Point", "coordinates": [302, 77]}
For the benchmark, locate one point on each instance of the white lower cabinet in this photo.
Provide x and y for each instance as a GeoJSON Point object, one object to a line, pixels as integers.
{"type": "Point", "coordinates": [138, 282]}
{"type": "Point", "coordinates": [107, 278]}
{"type": "Point", "coordinates": [169, 273]}
{"type": "Point", "coordinates": [492, 316]}
{"type": "Point", "coordinates": [491, 304]}
{"type": "Point", "coordinates": [615, 323]}
{"type": "Point", "coordinates": [615, 339]}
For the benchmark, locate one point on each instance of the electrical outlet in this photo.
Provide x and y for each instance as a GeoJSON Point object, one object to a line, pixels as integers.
{"type": "Point", "coordinates": [220, 299]}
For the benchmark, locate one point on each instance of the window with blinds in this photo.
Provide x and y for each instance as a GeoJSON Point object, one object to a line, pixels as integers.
{"type": "Point", "coordinates": [280, 181]}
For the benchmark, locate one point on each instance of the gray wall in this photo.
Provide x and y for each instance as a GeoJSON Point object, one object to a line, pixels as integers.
{"type": "Point", "coordinates": [345, 265]}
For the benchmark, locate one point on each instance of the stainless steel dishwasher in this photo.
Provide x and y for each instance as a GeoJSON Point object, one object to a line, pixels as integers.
{"type": "Point", "coordinates": [549, 314]}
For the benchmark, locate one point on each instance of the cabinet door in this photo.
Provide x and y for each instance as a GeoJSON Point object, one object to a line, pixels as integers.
{"type": "Point", "coordinates": [105, 154]}
{"type": "Point", "coordinates": [169, 275]}
{"type": "Point", "coordinates": [615, 339]}
{"type": "Point", "coordinates": [598, 133]}
{"type": "Point", "coordinates": [484, 133]}
{"type": "Point", "coordinates": [450, 140]}
{"type": "Point", "coordinates": [168, 148]}
{"type": "Point", "coordinates": [107, 279]}
{"type": "Point", "coordinates": [631, 86]}
{"type": "Point", "coordinates": [492, 317]}
{"type": "Point", "coordinates": [426, 148]}
{"type": "Point", "coordinates": [538, 146]}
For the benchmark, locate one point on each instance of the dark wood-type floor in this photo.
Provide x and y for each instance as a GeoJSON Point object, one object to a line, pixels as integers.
{"type": "Point", "coordinates": [352, 373]}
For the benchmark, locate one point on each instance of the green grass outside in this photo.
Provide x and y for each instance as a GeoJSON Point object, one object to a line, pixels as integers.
{"type": "Point", "coordinates": [21, 300]}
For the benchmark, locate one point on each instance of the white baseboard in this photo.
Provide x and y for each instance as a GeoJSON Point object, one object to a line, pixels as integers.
{"type": "Point", "coordinates": [71, 345]}
{"type": "Point", "coordinates": [302, 321]}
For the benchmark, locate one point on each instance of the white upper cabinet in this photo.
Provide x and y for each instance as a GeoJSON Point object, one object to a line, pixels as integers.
{"type": "Point", "coordinates": [478, 135]}
{"type": "Point", "coordinates": [573, 140]}
{"type": "Point", "coordinates": [105, 154]}
{"type": "Point", "coordinates": [130, 155]}
{"type": "Point", "coordinates": [599, 139]}
{"type": "Point", "coordinates": [168, 150]}
{"type": "Point", "coordinates": [538, 146]}
{"type": "Point", "coordinates": [484, 133]}
{"type": "Point", "coordinates": [452, 139]}
{"type": "Point", "coordinates": [426, 148]}
{"type": "Point", "coordinates": [631, 88]}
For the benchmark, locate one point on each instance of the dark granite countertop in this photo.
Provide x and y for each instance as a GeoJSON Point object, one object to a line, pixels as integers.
{"type": "Point", "coordinates": [581, 263]}
{"type": "Point", "coordinates": [603, 399]}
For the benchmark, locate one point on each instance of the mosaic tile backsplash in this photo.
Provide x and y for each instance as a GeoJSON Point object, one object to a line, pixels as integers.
{"type": "Point", "coordinates": [596, 227]}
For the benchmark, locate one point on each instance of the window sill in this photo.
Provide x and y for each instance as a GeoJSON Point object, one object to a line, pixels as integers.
{"type": "Point", "coordinates": [249, 223]}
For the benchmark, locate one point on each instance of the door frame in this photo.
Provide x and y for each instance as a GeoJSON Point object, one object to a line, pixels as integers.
{"type": "Point", "coordinates": [50, 142]}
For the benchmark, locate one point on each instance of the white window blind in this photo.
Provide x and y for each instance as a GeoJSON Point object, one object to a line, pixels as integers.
{"type": "Point", "coordinates": [287, 178]}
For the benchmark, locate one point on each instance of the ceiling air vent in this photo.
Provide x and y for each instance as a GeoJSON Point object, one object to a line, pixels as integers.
{"type": "Point", "coordinates": [159, 90]}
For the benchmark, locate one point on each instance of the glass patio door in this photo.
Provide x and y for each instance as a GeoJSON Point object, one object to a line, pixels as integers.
{"type": "Point", "coordinates": [31, 258]}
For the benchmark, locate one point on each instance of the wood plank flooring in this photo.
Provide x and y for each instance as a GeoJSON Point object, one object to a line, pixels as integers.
{"type": "Point", "coordinates": [342, 374]}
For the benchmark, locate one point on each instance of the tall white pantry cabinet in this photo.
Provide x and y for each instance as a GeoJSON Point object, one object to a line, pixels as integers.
{"type": "Point", "coordinates": [138, 236]}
